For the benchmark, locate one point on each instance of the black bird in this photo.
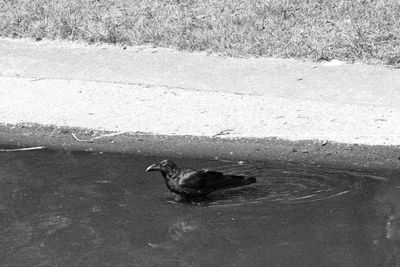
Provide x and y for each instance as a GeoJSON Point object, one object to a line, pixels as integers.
{"type": "Point", "coordinates": [196, 183]}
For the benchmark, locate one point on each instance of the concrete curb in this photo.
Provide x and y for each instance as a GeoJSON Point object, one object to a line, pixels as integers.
{"type": "Point", "coordinates": [170, 111]}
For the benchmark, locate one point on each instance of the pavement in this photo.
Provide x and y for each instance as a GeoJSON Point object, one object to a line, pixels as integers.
{"type": "Point", "coordinates": [164, 92]}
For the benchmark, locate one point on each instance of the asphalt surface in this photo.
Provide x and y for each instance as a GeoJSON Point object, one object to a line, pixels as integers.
{"type": "Point", "coordinates": [290, 106]}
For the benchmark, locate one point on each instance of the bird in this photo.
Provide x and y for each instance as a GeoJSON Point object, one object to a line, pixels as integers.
{"type": "Point", "coordinates": [195, 184]}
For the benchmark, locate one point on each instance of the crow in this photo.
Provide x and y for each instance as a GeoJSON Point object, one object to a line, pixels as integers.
{"type": "Point", "coordinates": [196, 183]}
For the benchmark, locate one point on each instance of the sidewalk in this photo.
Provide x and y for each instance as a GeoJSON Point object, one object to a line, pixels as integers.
{"type": "Point", "coordinates": [165, 92]}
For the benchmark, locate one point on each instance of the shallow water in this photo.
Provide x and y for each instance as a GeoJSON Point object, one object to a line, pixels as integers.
{"type": "Point", "coordinates": [91, 209]}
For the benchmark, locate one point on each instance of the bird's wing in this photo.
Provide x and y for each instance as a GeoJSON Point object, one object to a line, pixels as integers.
{"type": "Point", "coordinates": [202, 179]}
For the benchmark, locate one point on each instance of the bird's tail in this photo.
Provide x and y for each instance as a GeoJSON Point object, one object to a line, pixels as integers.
{"type": "Point", "coordinates": [251, 180]}
{"type": "Point", "coordinates": [240, 180]}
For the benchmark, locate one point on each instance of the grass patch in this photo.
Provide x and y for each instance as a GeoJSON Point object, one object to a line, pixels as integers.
{"type": "Point", "coordinates": [350, 30]}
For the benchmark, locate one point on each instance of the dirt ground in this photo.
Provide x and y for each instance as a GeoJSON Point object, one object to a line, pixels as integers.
{"type": "Point", "coordinates": [376, 160]}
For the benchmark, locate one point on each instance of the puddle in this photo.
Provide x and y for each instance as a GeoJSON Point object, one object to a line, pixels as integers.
{"type": "Point", "coordinates": [87, 209]}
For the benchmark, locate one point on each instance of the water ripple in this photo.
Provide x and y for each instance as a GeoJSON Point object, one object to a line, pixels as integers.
{"type": "Point", "coordinates": [289, 184]}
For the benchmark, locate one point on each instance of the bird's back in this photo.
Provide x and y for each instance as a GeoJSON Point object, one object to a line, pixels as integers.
{"type": "Point", "coordinates": [203, 182]}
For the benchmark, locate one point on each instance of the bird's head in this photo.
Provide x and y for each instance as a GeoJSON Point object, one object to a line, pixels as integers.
{"type": "Point", "coordinates": [166, 166]}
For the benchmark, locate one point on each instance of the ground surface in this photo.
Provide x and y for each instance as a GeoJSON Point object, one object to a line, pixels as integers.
{"type": "Point", "coordinates": [165, 92]}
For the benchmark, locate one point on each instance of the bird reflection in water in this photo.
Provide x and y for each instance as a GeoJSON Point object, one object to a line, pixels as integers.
{"type": "Point", "coordinates": [179, 232]}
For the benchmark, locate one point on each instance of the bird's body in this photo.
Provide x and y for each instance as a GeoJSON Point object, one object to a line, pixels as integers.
{"type": "Point", "coordinates": [196, 183]}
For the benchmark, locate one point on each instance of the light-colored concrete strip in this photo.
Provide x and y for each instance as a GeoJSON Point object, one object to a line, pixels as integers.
{"type": "Point", "coordinates": [168, 111]}
{"type": "Point", "coordinates": [288, 78]}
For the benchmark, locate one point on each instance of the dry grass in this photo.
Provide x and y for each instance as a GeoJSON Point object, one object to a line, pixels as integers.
{"type": "Point", "coordinates": [351, 30]}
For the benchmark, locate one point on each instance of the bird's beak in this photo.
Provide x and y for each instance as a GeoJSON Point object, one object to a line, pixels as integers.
{"type": "Point", "coordinates": [154, 167]}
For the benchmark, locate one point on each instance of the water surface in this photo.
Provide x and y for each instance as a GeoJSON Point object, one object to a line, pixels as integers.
{"type": "Point", "coordinates": [92, 209]}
